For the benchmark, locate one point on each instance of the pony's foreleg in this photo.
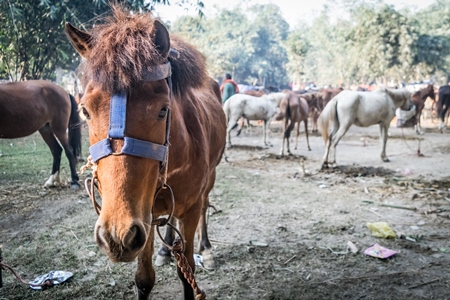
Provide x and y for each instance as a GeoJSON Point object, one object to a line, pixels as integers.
{"type": "Point", "coordinates": [383, 138]}
{"type": "Point", "coordinates": [418, 128]}
{"type": "Point", "coordinates": [145, 274]}
{"type": "Point", "coordinates": [188, 227]}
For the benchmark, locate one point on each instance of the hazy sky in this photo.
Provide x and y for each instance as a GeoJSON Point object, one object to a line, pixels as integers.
{"type": "Point", "coordinates": [302, 10]}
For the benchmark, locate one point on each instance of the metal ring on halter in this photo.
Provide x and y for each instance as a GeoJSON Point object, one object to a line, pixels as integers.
{"type": "Point", "coordinates": [164, 221]}
{"type": "Point", "coordinates": [89, 185]}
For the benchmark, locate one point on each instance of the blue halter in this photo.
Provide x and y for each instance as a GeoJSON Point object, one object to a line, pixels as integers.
{"type": "Point", "coordinates": [117, 122]}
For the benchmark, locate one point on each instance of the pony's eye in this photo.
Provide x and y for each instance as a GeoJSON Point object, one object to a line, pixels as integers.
{"type": "Point", "coordinates": [85, 113]}
{"type": "Point", "coordinates": [163, 113]}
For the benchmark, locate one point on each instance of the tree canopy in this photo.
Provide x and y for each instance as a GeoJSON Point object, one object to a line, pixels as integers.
{"type": "Point", "coordinates": [373, 41]}
{"type": "Point", "coordinates": [32, 39]}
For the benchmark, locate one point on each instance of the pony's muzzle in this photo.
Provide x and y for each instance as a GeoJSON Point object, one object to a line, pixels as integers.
{"type": "Point", "coordinates": [121, 245]}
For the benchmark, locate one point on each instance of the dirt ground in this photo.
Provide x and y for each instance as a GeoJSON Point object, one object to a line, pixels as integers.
{"type": "Point", "coordinates": [280, 230]}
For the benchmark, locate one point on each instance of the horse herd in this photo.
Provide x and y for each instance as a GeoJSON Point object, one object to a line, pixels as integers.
{"type": "Point", "coordinates": [337, 107]}
{"type": "Point", "coordinates": [148, 95]}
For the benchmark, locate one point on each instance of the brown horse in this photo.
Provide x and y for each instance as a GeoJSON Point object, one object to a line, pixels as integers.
{"type": "Point", "coordinates": [418, 99]}
{"type": "Point", "coordinates": [313, 98]}
{"type": "Point", "coordinates": [38, 105]}
{"type": "Point", "coordinates": [293, 110]}
{"type": "Point", "coordinates": [165, 137]}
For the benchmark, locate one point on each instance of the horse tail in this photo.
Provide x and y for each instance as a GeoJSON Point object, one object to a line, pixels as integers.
{"type": "Point", "coordinates": [287, 119]}
{"type": "Point", "coordinates": [74, 128]}
{"type": "Point", "coordinates": [329, 114]}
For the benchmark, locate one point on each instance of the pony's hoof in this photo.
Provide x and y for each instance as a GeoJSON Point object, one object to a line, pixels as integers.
{"type": "Point", "coordinates": [239, 132]}
{"type": "Point", "coordinates": [74, 186]}
{"type": "Point", "coordinates": [208, 260]}
{"type": "Point", "coordinates": [228, 146]}
{"type": "Point", "coordinates": [162, 260]}
{"type": "Point", "coordinates": [386, 159]}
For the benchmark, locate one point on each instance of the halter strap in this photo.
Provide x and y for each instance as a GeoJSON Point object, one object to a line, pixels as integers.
{"type": "Point", "coordinates": [117, 121]}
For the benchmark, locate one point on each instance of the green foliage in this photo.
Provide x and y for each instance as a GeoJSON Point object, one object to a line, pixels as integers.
{"type": "Point", "coordinates": [374, 42]}
{"type": "Point", "coordinates": [32, 39]}
{"type": "Point", "coordinates": [247, 44]}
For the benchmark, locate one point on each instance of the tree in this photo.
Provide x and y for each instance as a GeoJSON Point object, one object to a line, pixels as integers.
{"type": "Point", "coordinates": [32, 41]}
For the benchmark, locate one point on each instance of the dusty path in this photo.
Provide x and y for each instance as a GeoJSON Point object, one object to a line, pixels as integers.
{"type": "Point", "coordinates": [278, 232]}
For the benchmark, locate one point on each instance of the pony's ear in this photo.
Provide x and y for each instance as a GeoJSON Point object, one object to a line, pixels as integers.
{"type": "Point", "coordinates": [161, 38]}
{"type": "Point", "coordinates": [80, 39]}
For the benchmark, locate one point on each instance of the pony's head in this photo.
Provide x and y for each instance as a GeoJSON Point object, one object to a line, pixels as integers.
{"type": "Point", "coordinates": [127, 107]}
{"type": "Point", "coordinates": [431, 93]}
{"type": "Point", "coordinates": [401, 97]}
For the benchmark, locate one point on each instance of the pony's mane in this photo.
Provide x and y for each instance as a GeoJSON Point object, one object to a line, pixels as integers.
{"type": "Point", "coordinates": [123, 51]}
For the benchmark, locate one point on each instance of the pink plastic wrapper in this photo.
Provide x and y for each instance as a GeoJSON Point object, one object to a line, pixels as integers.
{"type": "Point", "coordinates": [379, 251]}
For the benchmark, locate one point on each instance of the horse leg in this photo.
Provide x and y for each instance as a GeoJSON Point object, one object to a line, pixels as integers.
{"type": "Point", "coordinates": [383, 139]}
{"type": "Point", "coordinates": [164, 255]}
{"type": "Point", "coordinates": [188, 227]}
{"type": "Point", "coordinates": [231, 123]}
{"type": "Point", "coordinates": [336, 138]}
{"type": "Point", "coordinates": [443, 123]}
{"type": "Point", "coordinates": [418, 117]}
{"type": "Point", "coordinates": [265, 132]}
{"type": "Point", "coordinates": [283, 130]}
{"type": "Point", "coordinates": [63, 138]}
{"type": "Point", "coordinates": [239, 130]}
{"type": "Point", "coordinates": [297, 135]}
{"type": "Point", "coordinates": [316, 115]}
{"type": "Point", "coordinates": [56, 151]}
{"type": "Point", "coordinates": [204, 245]}
{"type": "Point", "coordinates": [325, 163]}
{"type": "Point", "coordinates": [287, 135]}
{"type": "Point", "coordinates": [145, 274]}
{"type": "Point", "coordinates": [306, 132]}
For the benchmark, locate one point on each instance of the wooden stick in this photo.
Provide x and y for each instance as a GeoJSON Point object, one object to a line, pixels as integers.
{"type": "Point", "coordinates": [424, 283]}
{"type": "Point", "coordinates": [398, 206]}
{"type": "Point", "coordinates": [290, 259]}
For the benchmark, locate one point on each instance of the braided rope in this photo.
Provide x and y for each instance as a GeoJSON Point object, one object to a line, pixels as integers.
{"type": "Point", "coordinates": [183, 264]}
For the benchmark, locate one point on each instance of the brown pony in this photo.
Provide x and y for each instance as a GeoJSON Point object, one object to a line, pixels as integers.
{"type": "Point", "coordinates": [418, 99]}
{"type": "Point", "coordinates": [258, 93]}
{"type": "Point", "coordinates": [293, 110]}
{"type": "Point", "coordinates": [313, 98]}
{"type": "Point", "coordinates": [38, 105]}
{"type": "Point", "coordinates": [165, 137]}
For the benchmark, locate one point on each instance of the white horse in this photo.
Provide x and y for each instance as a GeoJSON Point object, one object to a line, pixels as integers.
{"type": "Point", "coordinates": [362, 109]}
{"type": "Point", "coordinates": [252, 108]}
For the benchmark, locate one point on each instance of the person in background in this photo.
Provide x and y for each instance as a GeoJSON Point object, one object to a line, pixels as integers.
{"type": "Point", "coordinates": [228, 88]}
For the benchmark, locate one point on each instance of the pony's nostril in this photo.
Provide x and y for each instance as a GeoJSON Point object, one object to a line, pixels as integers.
{"type": "Point", "coordinates": [100, 237]}
{"type": "Point", "coordinates": [135, 238]}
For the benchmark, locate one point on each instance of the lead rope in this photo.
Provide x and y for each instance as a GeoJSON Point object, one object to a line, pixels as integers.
{"type": "Point", "coordinates": [177, 248]}
{"type": "Point", "coordinates": [3, 266]}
